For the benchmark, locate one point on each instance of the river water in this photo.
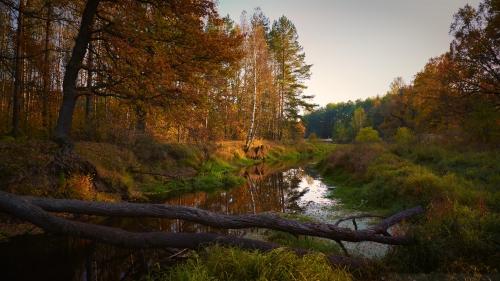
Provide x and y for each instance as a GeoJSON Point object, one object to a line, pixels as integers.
{"type": "Point", "coordinates": [269, 189]}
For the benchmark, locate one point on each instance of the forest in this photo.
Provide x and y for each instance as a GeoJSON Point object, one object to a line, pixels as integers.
{"type": "Point", "coordinates": [455, 97]}
{"type": "Point", "coordinates": [105, 70]}
{"type": "Point", "coordinates": [173, 117]}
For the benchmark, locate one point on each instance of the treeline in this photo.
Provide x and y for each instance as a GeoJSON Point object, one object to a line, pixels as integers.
{"type": "Point", "coordinates": [106, 70]}
{"type": "Point", "coordinates": [456, 96]}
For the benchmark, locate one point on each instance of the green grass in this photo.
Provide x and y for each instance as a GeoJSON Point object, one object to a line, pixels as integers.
{"type": "Point", "coordinates": [460, 232]}
{"type": "Point", "coordinates": [208, 183]}
{"type": "Point", "coordinates": [217, 263]}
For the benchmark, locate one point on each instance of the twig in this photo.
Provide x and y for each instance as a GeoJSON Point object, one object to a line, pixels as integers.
{"type": "Point", "coordinates": [171, 256]}
{"type": "Point", "coordinates": [172, 176]}
{"type": "Point", "coordinates": [343, 247]}
{"type": "Point", "coordinates": [144, 227]}
{"type": "Point", "coordinates": [358, 217]}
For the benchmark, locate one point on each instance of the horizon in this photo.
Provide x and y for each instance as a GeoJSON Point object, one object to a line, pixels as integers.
{"type": "Point", "coordinates": [358, 48]}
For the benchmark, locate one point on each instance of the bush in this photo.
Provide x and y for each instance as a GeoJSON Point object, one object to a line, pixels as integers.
{"type": "Point", "coordinates": [312, 138]}
{"type": "Point", "coordinates": [352, 158]}
{"type": "Point", "coordinates": [404, 136]}
{"type": "Point", "coordinates": [453, 239]}
{"type": "Point", "coordinates": [367, 135]}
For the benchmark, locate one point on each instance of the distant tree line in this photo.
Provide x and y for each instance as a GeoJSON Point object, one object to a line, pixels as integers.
{"type": "Point", "coordinates": [455, 97]}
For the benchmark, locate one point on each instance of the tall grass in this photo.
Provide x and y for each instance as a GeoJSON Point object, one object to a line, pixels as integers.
{"type": "Point", "coordinates": [219, 263]}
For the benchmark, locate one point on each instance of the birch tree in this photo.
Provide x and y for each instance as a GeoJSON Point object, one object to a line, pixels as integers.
{"type": "Point", "coordinates": [257, 72]}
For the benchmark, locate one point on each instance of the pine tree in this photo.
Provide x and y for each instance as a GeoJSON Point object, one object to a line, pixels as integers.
{"type": "Point", "coordinates": [291, 71]}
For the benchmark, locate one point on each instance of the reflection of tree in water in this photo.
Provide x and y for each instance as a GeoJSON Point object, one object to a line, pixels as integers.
{"type": "Point", "coordinates": [65, 258]}
{"type": "Point", "coordinates": [292, 192]}
{"type": "Point", "coordinates": [276, 192]}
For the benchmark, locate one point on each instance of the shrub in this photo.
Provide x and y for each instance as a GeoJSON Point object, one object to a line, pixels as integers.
{"type": "Point", "coordinates": [453, 239]}
{"type": "Point", "coordinates": [312, 138]}
{"type": "Point", "coordinates": [352, 158]}
{"type": "Point", "coordinates": [367, 135]}
{"type": "Point", "coordinates": [404, 136]}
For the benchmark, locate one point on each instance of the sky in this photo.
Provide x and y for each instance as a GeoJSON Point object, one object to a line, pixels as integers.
{"type": "Point", "coordinates": [358, 47]}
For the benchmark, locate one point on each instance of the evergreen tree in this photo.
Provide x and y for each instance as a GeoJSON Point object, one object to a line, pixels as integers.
{"type": "Point", "coordinates": [291, 71]}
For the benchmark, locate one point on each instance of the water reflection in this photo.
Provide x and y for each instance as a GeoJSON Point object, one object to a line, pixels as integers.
{"type": "Point", "coordinates": [269, 189]}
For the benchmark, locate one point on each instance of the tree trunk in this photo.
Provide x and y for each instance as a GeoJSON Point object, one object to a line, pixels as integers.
{"type": "Point", "coordinates": [46, 73]}
{"type": "Point", "coordinates": [88, 101]}
{"type": "Point", "coordinates": [36, 210]}
{"type": "Point", "coordinates": [251, 130]}
{"type": "Point", "coordinates": [70, 96]}
{"type": "Point", "coordinates": [19, 67]}
{"type": "Point", "coordinates": [140, 113]}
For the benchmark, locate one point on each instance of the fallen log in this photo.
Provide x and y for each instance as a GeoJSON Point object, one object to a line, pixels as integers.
{"type": "Point", "coordinates": [25, 209]}
{"type": "Point", "coordinates": [376, 233]}
{"type": "Point", "coordinates": [37, 210]}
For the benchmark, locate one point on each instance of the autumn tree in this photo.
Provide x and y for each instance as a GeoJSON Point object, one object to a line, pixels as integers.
{"type": "Point", "coordinates": [358, 120]}
{"type": "Point", "coordinates": [258, 76]}
{"type": "Point", "coordinates": [441, 107]}
{"type": "Point", "coordinates": [29, 54]}
{"type": "Point", "coordinates": [399, 109]}
{"type": "Point", "coordinates": [475, 51]}
{"type": "Point", "coordinates": [151, 52]}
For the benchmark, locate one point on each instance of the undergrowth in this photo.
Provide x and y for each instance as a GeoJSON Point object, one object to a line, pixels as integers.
{"type": "Point", "coordinates": [460, 232]}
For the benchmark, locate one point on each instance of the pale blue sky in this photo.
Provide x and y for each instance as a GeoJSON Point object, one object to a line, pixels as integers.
{"type": "Point", "coordinates": [359, 46]}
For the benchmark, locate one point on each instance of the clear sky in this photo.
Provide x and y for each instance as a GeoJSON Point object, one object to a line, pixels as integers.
{"type": "Point", "coordinates": [358, 47]}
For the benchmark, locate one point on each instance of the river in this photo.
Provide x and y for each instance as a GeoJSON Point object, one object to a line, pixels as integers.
{"type": "Point", "coordinates": [269, 189]}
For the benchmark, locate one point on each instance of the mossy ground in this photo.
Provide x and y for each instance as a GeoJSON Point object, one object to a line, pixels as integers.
{"type": "Point", "coordinates": [166, 166]}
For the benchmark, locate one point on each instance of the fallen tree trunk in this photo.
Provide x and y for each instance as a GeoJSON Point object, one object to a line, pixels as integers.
{"type": "Point", "coordinates": [26, 210]}
{"type": "Point", "coordinates": [377, 233]}
{"type": "Point", "coordinates": [36, 210]}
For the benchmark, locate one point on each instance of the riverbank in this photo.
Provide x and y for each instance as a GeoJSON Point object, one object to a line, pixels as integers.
{"type": "Point", "coordinates": [145, 171]}
{"type": "Point", "coordinates": [458, 187]}
{"type": "Point", "coordinates": [132, 172]}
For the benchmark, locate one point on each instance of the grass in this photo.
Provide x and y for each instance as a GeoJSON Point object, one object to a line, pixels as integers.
{"type": "Point", "coordinates": [120, 166]}
{"type": "Point", "coordinates": [208, 183]}
{"type": "Point", "coordinates": [288, 240]}
{"type": "Point", "coordinates": [460, 232]}
{"type": "Point", "coordinates": [217, 263]}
